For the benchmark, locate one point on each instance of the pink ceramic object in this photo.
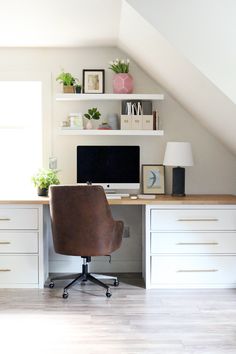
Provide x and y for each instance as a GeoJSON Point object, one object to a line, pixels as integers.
{"type": "Point", "coordinates": [122, 83]}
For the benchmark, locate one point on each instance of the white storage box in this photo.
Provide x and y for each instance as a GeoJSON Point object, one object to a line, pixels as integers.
{"type": "Point", "coordinates": [147, 122]}
{"type": "Point", "coordinates": [125, 122]}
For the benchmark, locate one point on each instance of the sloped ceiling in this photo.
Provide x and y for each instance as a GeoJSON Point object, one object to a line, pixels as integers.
{"type": "Point", "coordinates": [203, 31]}
{"type": "Point", "coordinates": [183, 80]}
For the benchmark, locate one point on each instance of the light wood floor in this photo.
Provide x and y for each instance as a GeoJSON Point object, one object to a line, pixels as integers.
{"type": "Point", "coordinates": [134, 320]}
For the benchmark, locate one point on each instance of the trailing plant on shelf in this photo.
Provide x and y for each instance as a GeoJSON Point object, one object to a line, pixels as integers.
{"type": "Point", "coordinates": [44, 178]}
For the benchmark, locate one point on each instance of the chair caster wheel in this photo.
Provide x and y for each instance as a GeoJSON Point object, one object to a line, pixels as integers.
{"type": "Point", "coordinates": [116, 283]}
{"type": "Point", "coordinates": [51, 285]}
{"type": "Point", "coordinates": [65, 295]}
{"type": "Point", "coordinates": [108, 294]}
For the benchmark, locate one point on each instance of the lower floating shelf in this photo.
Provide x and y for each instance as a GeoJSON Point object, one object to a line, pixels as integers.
{"type": "Point", "coordinates": [97, 132]}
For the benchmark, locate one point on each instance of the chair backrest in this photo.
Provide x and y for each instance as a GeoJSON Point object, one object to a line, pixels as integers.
{"type": "Point", "coordinates": [81, 219]}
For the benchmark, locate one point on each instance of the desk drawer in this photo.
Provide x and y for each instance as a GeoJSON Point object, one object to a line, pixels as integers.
{"type": "Point", "coordinates": [194, 219]}
{"type": "Point", "coordinates": [18, 242]}
{"type": "Point", "coordinates": [193, 270]}
{"type": "Point", "coordinates": [193, 242]}
{"type": "Point", "coordinates": [18, 269]}
{"type": "Point", "coordinates": [22, 218]}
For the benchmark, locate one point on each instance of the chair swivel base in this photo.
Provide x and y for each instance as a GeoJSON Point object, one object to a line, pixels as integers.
{"type": "Point", "coordinates": [83, 277]}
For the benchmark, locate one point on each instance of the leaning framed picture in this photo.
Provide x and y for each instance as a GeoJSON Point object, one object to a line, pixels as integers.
{"type": "Point", "coordinates": [153, 179]}
{"type": "Point", "coordinates": [94, 80]}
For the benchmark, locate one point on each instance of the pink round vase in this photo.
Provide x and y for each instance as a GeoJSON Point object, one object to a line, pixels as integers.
{"type": "Point", "coordinates": [122, 83]}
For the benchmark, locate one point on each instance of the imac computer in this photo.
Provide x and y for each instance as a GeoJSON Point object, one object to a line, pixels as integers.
{"type": "Point", "coordinates": [113, 167]}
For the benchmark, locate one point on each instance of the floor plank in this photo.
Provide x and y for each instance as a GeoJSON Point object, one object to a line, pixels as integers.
{"type": "Point", "coordinates": [133, 320]}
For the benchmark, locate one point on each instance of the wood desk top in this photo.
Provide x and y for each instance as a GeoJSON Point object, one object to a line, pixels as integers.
{"type": "Point", "coordinates": [194, 199]}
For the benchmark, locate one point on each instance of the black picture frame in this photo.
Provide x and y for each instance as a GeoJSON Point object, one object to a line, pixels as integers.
{"type": "Point", "coordinates": [93, 81]}
{"type": "Point", "coordinates": [156, 173]}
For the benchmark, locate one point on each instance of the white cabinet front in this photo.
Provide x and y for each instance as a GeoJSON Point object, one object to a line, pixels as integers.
{"type": "Point", "coordinates": [197, 270]}
{"type": "Point", "coordinates": [22, 218]}
{"type": "Point", "coordinates": [193, 242]}
{"type": "Point", "coordinates": [193, 219]}
{"type": "Point", "coordinates": [21, 269]}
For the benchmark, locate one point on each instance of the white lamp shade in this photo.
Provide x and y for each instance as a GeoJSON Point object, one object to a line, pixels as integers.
{"type": "Point", "coordinates": [178, 154]}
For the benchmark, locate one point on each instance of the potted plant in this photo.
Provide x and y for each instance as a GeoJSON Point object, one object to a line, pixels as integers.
{"type": "Point", "coordinates": [43, 179]}
{"type": "Point", "coordinates": [122, 80]}
{"type": "Point", "coordinates": [78, 88]}
{"type": "Point", "coordinates": [93, 113]}
{"type": "Point", "coordinates": [68, 82]}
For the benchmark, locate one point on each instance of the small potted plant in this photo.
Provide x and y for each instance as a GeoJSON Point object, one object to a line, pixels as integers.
{"type": "Point", "coordinates": [68, 82]}
{"type": "Point", "coordinates": [78, 88]}
{"type": "Point", "coordinates": [43, 179]}
{"type": "Point", "coordinates": [93, 113]}
{"type": "Point", "coordinates": [122, 81]}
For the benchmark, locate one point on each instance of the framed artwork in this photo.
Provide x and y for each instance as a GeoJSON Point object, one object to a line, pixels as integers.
{"type": "Point", "coordinates": [94, 80]}
{"type": "Point", "coordinates": [153, 179]}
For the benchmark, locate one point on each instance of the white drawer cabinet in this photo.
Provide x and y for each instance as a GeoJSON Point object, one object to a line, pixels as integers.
{"type": "Point", "coordinates": [193, 242]}
{"type": "Point", "coordinates": [190, 246]}
{"type": "Point", "coordinates": [21, 246]}
{"type": "Point", "coordinates": [19, 242]}
{"type": "Point", "coordinates": [188, 271]}
{"type": "Point", "coordinates": [18, 270]}
{"type": "Point", "coordinates": [19, 218]}
{"type": "Point", "coordinates": [195, 219]}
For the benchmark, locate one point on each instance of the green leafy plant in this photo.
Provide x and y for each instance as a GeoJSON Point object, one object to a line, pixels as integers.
{"type": "Point", "coordinates": [66, 79]}
{"type": "Point", "coordinates": [120, 65]}
{"type": "Point", "coordinates": [93, 113]}
{"type": "Point", "coordinates": [44, 178]}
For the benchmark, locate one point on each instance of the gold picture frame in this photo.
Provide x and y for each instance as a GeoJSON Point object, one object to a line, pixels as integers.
{"type": "Point", "coordinates": [153, 179]}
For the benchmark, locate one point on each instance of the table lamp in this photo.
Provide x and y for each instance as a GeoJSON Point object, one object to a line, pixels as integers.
{"type": "Point", "coordinates": [178, 154]}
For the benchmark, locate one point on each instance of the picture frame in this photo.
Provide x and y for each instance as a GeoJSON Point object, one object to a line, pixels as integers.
{"type": "Point", "coordinates": [153, 179]}
{"type": "Point", "coordinates": [93, 81]}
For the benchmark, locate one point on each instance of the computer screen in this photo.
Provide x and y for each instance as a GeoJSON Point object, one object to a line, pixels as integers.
{"type": "Point", "coordinates": [116, 167]}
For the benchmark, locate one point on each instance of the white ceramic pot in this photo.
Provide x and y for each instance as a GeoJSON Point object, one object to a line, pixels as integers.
{"type": "Point", "coordinates": [89, 125]}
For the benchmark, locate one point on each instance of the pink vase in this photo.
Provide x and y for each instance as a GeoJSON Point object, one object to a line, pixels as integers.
{"type": "Point", "coordinates": [122, 83]}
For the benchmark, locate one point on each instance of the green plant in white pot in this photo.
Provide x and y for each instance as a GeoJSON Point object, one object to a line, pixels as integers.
{"type": "Point", "coordinates": [43, 179]}
{"type": "Point", "coordinates": [93, 113]}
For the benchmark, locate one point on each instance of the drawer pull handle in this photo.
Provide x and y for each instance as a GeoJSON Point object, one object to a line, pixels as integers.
{"type": "Point", "coordinates": [197, 243]}
{"type": "Point", "coordinates": [5, 219]}
{"type": "Point", "coordinates": [209, 219]}
{"type": "Point", "coordinates": [5, 243]}
{"type": "Point", "coordinates": [5, 270]}
{"type": "Point", "coordinates": [197, 270]}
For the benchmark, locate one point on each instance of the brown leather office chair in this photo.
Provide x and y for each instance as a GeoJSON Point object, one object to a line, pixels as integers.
{"type": "Point", "coordinates": [82, 225]}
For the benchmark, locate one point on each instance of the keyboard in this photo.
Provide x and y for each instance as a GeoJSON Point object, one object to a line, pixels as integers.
{"type": "Point", "coordinates": [110, 196]}
{"type": "Point", "coordinates": [116, 195]}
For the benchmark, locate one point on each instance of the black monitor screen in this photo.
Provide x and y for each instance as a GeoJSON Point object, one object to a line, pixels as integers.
{"type": "Point", "coordinates": [108, 164]}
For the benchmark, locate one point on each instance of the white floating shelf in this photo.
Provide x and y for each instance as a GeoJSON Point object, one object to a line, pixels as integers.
{"type": "Point", "coordinates": [97, 132]}
{"type": "Point", "coordinates": [108, 96]}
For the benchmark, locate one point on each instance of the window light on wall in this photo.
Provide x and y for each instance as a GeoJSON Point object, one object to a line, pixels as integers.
{"type": "Point", "coordinates": [20, 134]}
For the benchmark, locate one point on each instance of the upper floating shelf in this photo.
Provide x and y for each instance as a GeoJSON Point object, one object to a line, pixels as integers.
{"type": "Point", "coordinates": [97, 132]}
{"type": "Point", "coordinates": [108, 96]}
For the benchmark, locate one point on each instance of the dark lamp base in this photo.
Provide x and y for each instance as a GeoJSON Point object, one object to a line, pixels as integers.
{"type": "Point", "coordinates": [178, 186]}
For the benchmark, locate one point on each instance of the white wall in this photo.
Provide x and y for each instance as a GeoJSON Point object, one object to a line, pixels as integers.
{"type": "Point", "coordinates": [214, 170]}
{"type": "Point", "coordinates": [203, 31]}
